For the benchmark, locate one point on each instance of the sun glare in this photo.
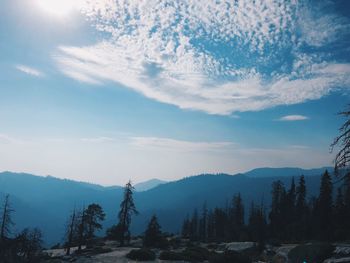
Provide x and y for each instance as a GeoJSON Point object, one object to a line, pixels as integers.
{"type": "Point", "coordinates": [57, 7]}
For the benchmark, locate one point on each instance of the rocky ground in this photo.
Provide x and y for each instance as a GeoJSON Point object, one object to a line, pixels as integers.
{"type": "Point", "coordinates": [110, 252]}
{"type": "Point", "coordinates": [107, 252]}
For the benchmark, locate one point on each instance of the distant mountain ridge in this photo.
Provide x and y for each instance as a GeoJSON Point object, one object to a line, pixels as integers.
{"type": "Point", "coordinates": [286, 171]}
{"type": "Point", "coordinates": [45, 202]}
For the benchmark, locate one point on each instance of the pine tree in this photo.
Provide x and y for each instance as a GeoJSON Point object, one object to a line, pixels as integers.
{"type": "Point", "coordinates": [324, 207]}
{"type": "Point", "coordinates": [301, 210]}
{"type": "Point", "coordinates": [194, 226]}
{"type": "Point", "coordinates": [211, 226]}
{"type": "Point", "coordinates": [127, 209]}
{"type": "Point", "coordinates": [6, 218]}
{"type": "Point", "coordinates": [203, 223]}
{"type": "Point", "coordinates": [220, 225]}
{"type": "Point", "coordinates": [277, 209]}
{"type": "Point", "coordinates": [292, 194]}
{"type": "Point", "coordinates": [153, 233]}
{"type": "Point", "coordinates": [290, 211]}
{"type": "Point", "coordinates": [236, 217]}
{"type": "Point", "coordinates": [347, 205]}
{"type": "Point", "coordinates": [186, 227]}
{"type": "Point", "coordinates": [257, 225]}
{"type": "Point", "coordinates": [301, 196]}
{"type": "Point", "coordinates": [93, 216]}
{"type": "Point", "coordinates": [340, 221]}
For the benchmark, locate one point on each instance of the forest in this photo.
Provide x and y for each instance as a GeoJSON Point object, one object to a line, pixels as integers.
{"type": "Point", "coordinates": [317, 224]}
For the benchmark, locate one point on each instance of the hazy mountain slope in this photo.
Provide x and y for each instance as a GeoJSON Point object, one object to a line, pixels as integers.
{"type": "Point", "coordinates": [50, 200]}
{"type": "Point", "coordinates": [174, 200]}
{"type": "Point", "coordinates": [147, 185]}
{"type": "Point", "coordinates": [47, 201]}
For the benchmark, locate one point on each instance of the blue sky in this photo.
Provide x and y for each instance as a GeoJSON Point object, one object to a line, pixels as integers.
{"type": "Point", "coordinates": [104, 91]}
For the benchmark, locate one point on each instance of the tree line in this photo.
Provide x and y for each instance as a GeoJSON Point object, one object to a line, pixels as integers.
{"type": "Point", "coordinates": [82, 225]}
{"type": "Point", "coordinates": [21, 247]}
{"type": "Point", "coordinates": [80, 229]}
{"type": "Point", "coordinates": [291, 218]}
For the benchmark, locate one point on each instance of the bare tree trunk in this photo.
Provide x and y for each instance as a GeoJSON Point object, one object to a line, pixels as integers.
{"type": "Point", "coordinates": [70, 235]}
{"type": "Point", "coordinates": [4, 218]}
{"type": "Point", "coordinates": [81, 230]}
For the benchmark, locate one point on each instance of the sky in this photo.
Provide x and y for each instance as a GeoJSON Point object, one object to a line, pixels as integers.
{"type": "Point", "coordinates": [105, 91]}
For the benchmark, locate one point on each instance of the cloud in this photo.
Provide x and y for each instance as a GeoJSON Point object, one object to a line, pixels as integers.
{"type": "Point", "coordinates": [30, 71]}
{"type": "Point", "coordinates": [98, 139]}
{"type": "Point", "coordinates": [319, 28]}
{"type": "Point", "coordinates": [299, 147]}
{"type": "Point", "coordinates": [6, 138]}
{"type": "Point", "coordinates": [217, 57]}
{"type": "Point", "coordinates": [293, 118]}
{"type": "Point", "coordinates": [160, 157]}
{"type": "Point", "coordinates": [179, 145]}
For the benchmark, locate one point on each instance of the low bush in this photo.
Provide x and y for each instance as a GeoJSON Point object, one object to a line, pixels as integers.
{"type": "Point", "coordinates": [191, 254]}
{"type": "Point", "coordinates": [196, 254]}
{"type": "Point", "coordinates": [114, 232]}
{"type": "Point", "coordinates": [175, 242]}
{"type": "Point", "coordinates": [316, 252]}
{"type": "Point", "coordinates": [171, 255]}
{"type": "Point", "coordinates": [142, 254]}
{"type": "Point", "coordinates": [229, 256]}
{"type": "Point", "coordinates": [212, 246]}
{"type": "Point", "coordinates": [253, 253]}
{"type": "Point", "coordinates": [274, 242]}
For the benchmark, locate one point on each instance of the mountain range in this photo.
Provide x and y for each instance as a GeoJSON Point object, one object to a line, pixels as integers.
{"type": "Point", "coordinates": [46, 202]}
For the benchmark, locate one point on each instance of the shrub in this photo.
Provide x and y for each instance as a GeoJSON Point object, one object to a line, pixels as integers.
{"type": "Point", "coordinates": [212, 246]}
{"type": "Point", "coordinates": [192, 254]}
{"type": "Point", "coordinates": [142, 254]}
{"type": "Point", "coordinates": [163, 243]}
{"type": "Point", "coordinates": [174, 242]}
{"type": "Point", "coordinates": [153, 233]}
{"type": "Point", "coordinates": [253, 253]}
{"type": "Point", "coordinates": [171, 255]}
{"type": "Point", "coordinates": [196, 254]}
{"type": "Point", "coordinates": [228, 257]}
{"type": "Point", "coordinates": [278, 258]}
{"type": "Point", "coordinates": [316, 252]}
{"type": "Point", "coordinates": [114, 232]}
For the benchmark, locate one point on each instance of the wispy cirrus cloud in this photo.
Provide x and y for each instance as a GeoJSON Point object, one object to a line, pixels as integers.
{"type": "Point", "coordinates": [179, 145]}
{"type": "Point", "coordinates": [98, 139]}
{"type": "Point", "coordinates": [293, 118]}
{"type": "Point", "coordinates": [216, 57]}
{"type": "Point", "coordinates": [29, 70]}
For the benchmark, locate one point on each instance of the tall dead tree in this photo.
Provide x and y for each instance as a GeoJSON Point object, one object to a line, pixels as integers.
{"type": "Point", "coordinates": [127, 209]}
{"type": "Point", "coordinates": [342, 158]}
{"type": "Point", "coordinates": [81, 228]}
{"type": "Point", "coordinates": [6, 220]}
{"type": "Point", "coordinates": [70, 232]}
